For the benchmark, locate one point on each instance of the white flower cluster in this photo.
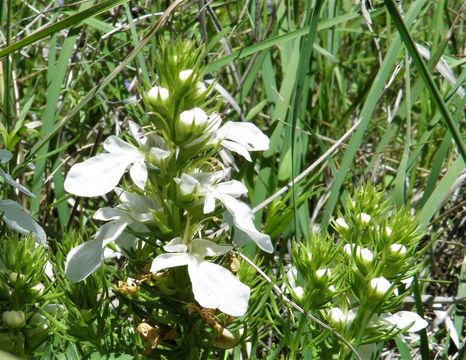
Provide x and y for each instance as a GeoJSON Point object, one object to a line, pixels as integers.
{"type": "Point", "coordinates": [213, 285]}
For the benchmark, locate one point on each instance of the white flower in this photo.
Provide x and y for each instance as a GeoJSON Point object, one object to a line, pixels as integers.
{"type": "Point", "coordinates": [226, 192]}
{"type": "Point", "coordinates": [404, 320]}
{"type": "Point", "coordinates": [134, 210]}
{"type": "Point", "coordinates": [214, 286]}
{"type": "Point", "coordinates": [241, 138]}
{"type": "Point", "coordinates": [100, 174]}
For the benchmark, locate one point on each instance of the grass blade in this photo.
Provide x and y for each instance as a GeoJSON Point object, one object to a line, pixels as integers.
{"type": "Point", "coordinates": [429, 82]}
{"type": "Point", "coordinates": [60, 25]}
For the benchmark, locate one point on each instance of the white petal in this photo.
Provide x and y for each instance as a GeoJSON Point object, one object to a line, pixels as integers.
{"type": "Point", "coordinates": [166, 261]}
{"type": "Point", "coordinates": [83, 260]}
{"type": "Point", "coordinates": [215, 287]}
{"type": "Point", "coordinates": [209, 202]}
{"type": "Point", "coordinates": [159, 154]}
{"type": "Point", "coordinates": [233, 187]}
{"type": "Point", "coordinates": [115, 145]}
{"type": "Point", "coordinates": [176, 246]}
{"type": "Point", "coordinates": [203, 248]}
{"type": "Point", "coordinates": [108, 213]}
{"type": "Point", "coordinates": [187, 184]}
{"type": "Point", "coordinates": [96, 176]}
{"type": "Point", "coordinates": [137, 133]}
{"type": "Point", "coordinates": [243, 221]}
{"type": "Point", "coordinates": [138, 173]}
{"type": "Point", "coordinates": [246, 134]}
{"type": "Point", "coordinates": [18, 219]}
{"type": "Point", "coordinates": [110, 231]}
{"type": "Point", "coordinates": [15, 184]}
{"type": "Point", "coordinates": [405, 319]}
{"type": "Point", "coordinates": [134, 203]}
{"type": "Point", "coordinates": [237, 148]}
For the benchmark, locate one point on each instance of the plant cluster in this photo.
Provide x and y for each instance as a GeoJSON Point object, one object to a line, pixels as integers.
{"type": "Point", "coordinates": [179, 217]}
{"type": "Point", "coordinates": [357, 278]}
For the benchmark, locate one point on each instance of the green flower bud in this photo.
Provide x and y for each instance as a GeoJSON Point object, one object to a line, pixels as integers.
{"type": "Point", "coordinates": [298, 293]}
{"type": "Point", "coordinates": [38, 289]}
{"type": "Point", "coordinates": [397, 251]}
{"type": "Point", "coordinates": [377, 288]}
{"type": "Point", "coordinates": [388, 231]}
{"type": "Point", "coordinates": [341, 225]}
{"type": "Point", "coordinates": [157, 95]}
{"type": "Point", "coordinates": [14, 277]}
{"type": "Point", "coordinates": [364, 219]}
{"type": "Point", "coordinates": [348, 249]}
{"type": "Point", "coordinates": [364, 258]}
{"type": "Point", "coordinates": [201, 88]}
{"type": "Point", "coordinates": [322, 276]}
{"type": "Point", "coordinates": [13, 319]}
{"type": "Point", "coordinates": [337, 318]}
{"type": "Point", "coordinates": [185, 74]}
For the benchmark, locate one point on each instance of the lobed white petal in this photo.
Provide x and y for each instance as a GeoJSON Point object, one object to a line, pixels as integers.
{"type": "Point", "coordinates": [83, 260]}
{"type": "Point", "coordinates": [138, 173]}
{"type": "Point", "coordinates": [97, 175]}
{"type": "Point", "coordinates": [166, 261]}
{"type": "Point", "coordinates": [18, 219]}
{"type": "Point", "coordinates": [215, 287]}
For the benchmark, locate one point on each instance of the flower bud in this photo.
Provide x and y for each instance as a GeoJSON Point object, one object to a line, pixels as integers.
{"type": "Point", "coordinates": [201, 88]}
{"type": "Point", "coordinates": [13, 319]}
{"type": "Point", "coordinates": [364, 218]}
{"type": "Point", "coordinates": [336, 318]}
{"type": "Point", "coordinates": [38, 289]}
{"type": "Point", "coordinates": [298, 292]}
{"type": "Point", "coordinates": [190, 122]}
{"type": "Point", "coordinates": [322, 276]}
{"type": "Point", "coordinates": [185, 74]}
{"type": "Point", "coordinates": [157, 94]}
{"type": "Point", "coordinates": [388, 231]}
{"type": "Point", "coordinates": [14, 277]}
{"type": "Point", "coordinates": [349, 248]}
{"type": "Point", "coordinates": [194, 117]}
{"type": "Point", "coordinates": [377, 288]}
{"type": "Point", "coordinates": [364, 257]}
{"type": "Point", "coordinates": [341, 225]}
{"type": "Point", "coordinates": [397, 251]}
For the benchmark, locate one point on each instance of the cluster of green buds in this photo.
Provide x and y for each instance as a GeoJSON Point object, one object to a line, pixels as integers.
{"type": "Point", "coordinates": [180, 216]}
{"type": "Point", "coordinates": [24, 287]}
{"type": "Point", "coordinates": [357, 277]}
